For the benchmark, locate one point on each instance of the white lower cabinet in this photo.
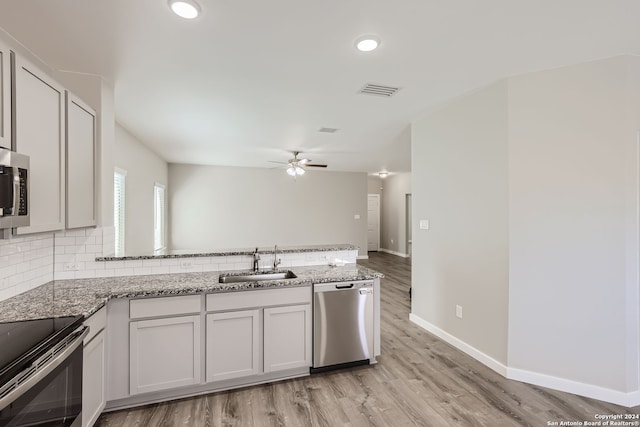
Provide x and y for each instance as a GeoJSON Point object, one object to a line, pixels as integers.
{"type": "Point", "coordinates": [258, 332]}
{"type": "Point", "coordinates": [157, 348]}
{"type": "Point", "coordinates": [287, 337]}
{"type": "Point", "coordinates": [233, 344]}
{"type": "Point", "coordinates": [164, 353]}
{"type": "Point", "coordinates": [94, 368]}
{"type": "Point", "coordinates": [93, 380]}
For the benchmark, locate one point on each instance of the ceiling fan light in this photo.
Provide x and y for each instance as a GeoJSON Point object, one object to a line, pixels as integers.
{"type": "Point", "coordinates": [291, 171]}
{"type": "Point", "coordinates": [187, 9]}
{"type": "Point", "coordinates": [299, 170]}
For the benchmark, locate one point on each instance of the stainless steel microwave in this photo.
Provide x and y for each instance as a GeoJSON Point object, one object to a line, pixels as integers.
{"type": "Point", "coordinates": [14, 189]}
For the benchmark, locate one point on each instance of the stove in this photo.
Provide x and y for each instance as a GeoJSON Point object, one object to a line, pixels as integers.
{"type": "Point", "coordinates": [41, 371]}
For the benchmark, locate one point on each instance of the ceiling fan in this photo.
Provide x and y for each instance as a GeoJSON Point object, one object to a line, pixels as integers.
{"type": "Point", "coordinates": [295, 166]}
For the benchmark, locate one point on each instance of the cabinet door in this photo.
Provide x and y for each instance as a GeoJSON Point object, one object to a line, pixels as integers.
{"type": "Point", "coordinates": [93, 380]}
{"type": "Point", "coordinates": [81, 178]}
{"type": "Point", "coordinates": [287, 337]}
{"type": "Point", "coordinates": [5, 96]}
{"type": "Point", "coordinates": [164, 353]}
{"type": "Point", "coordinates": [233, 340]}
{"type": "Point", "coordinates": [39, 133]}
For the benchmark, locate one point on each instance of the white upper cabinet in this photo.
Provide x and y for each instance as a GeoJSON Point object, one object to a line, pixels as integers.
{"type": "Point", "coordinates": [39, 133]}
{"type": "Point", "coordinates": [81, 161]}
{"type": "Point", "coordinates": [5, 96]}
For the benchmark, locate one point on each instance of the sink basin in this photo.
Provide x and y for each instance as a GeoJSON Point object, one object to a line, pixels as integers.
{"type": "Point", "coordinates": [256, 277]}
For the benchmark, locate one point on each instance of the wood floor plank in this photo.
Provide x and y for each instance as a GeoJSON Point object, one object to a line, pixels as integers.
{"type": "Point", "coordinates": [419, 380]}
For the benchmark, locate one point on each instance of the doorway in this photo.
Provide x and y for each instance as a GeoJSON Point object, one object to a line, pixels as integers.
{"type": "Point", "coordinates": [373, 222]}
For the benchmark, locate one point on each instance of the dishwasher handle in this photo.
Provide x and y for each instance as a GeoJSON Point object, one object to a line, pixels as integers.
{"type": "Point", "coordinates": [349, 286]}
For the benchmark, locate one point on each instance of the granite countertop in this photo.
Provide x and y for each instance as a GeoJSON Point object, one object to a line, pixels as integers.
{"type": "Point", "coordinates": [86, 296]}
{"type": "Point", "coordinates": [230, 252]}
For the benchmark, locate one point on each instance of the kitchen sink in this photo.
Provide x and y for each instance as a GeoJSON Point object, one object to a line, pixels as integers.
{"type": "Point", "coordinates": [256, 277]}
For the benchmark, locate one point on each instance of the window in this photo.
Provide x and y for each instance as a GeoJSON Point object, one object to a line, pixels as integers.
{"type": "Point", "coordinates": [158, 217]}
{"type": "Point", "coordinates": [119, 177]}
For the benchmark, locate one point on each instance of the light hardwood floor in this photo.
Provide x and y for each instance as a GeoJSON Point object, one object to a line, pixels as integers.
{"type": "Point", "coordinates": [419, 381]}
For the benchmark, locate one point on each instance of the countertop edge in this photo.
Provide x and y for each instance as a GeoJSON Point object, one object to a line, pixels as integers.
{"type": "Point", "coordinates": [234, 252]}
{"type": "Point", "coordinates": [83, 297]}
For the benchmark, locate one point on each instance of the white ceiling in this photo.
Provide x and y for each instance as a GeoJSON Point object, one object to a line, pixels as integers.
{"type": "Point", "coordinates": [250, 79]}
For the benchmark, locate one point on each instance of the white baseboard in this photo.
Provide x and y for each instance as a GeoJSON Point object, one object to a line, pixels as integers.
{"type": "Point", "coordinates": [634, 398]}
{"type": "Point", "coordinates": [575, 387]}
{"type": "Point", "coordinates": [481, 357]}
{"type": "Point", "coordinates": [556, 383]}
{"type": "Point", "coordinates": [389, 251]}
{"type": "Point", "coordinates": [362, 257]}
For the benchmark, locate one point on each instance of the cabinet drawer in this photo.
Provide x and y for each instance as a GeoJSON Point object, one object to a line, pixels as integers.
{"type": "Point", "coordinates": [258, 298]}
{"type": "Point", "coordinates": [164, 306]}
{"type": "Point", "coordinates": [96, 323]}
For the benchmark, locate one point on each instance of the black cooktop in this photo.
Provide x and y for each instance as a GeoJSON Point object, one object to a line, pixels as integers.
{"type": "Point", "coordinates": [23, 342]}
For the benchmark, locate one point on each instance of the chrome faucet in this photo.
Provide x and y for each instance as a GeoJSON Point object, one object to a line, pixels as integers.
{"type": "Point", "coordinates": [256, 259]}
{"type": "Point", "coordinates": [276, 261]}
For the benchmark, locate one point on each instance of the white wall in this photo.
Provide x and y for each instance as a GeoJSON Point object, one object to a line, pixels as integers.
{"type": "Point", "coordinates": [459, 179]}
{"type": "Point", "coordinates": [215, 207]}
{"type": "Point", "coordinates": [394, 213]}
{"type": "Point", "coordinates": [374, 185]}
{"type": "Point", "coordinates": [144, 169]}
{"type": "Point", "coordinates": [573, 246]}
{"type": "Point", "coordinates": [531, 189]}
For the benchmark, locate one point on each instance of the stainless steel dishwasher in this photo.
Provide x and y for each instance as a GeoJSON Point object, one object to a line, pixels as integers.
{"type": "Point", "coordinates": [342, 324]}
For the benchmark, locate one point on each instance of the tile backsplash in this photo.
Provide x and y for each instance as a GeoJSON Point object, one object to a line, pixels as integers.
{"type": "Point", "coordinates": [28, 262]}
{"type": "Point", "coordinates": [25, 263]}
{"type": "Point", "coordinates": [76, 251]}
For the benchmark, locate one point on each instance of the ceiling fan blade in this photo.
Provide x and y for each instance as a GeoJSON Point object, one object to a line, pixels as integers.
{"type": "Point", "coordinates": [281, 163]}
{"type": "Point", "coordinates": [303, 161]}
{"type": "Point", "coordinates": [314, 165]}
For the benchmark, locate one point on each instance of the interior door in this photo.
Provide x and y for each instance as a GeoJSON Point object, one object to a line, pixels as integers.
{"type": "Point", "coordinates": [373, 222]}
{"type": "Point", "coordinates": [409, 232]}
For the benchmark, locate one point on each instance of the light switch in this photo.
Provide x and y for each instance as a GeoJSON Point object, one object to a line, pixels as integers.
{"type": "Point", "coordinates": [356, 216]}
{"type": "Point", "coordinates": [424, 224]}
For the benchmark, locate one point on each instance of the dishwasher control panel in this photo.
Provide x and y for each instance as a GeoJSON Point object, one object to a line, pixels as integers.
{"type": "Point", "coordinates": [356, 284]}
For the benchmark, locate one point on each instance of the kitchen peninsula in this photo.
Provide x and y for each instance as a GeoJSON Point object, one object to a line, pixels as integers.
{"type": "Point", "coordinates": [165, 336]}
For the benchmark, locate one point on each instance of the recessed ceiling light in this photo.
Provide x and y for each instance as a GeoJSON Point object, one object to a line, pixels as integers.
{"type": "Point", "coordinates": [187, 9]}
{"type": "Point", "coordinates": [367, 43]}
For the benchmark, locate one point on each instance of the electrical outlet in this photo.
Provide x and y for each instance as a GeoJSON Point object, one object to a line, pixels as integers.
{"type": "Point", "coordinates": [392, 241]}
{"type": "Point", "coordinates": [459, 311]}
{"type": "Point", "coordinates": [71, 266]}
{"type": "Point", "coordinates": [186, 264]}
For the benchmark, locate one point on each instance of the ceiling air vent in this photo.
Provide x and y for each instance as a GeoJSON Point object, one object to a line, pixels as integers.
{"type": "Point", "coordinates": [379, 90]}
{"type": "Point", "coordinates": [328, 130]}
